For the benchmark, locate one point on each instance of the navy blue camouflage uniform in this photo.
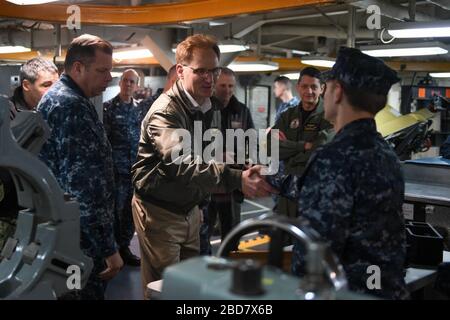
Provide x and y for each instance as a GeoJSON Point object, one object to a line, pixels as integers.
{"type": "Point", "coordinates": [352, 189]}
{"type": "Point", "coordinates": [79, 155]}
{"type": "Point", "coordinates": [352, 195]}
{"type": "Point", "coordinates": [445, 148]}
{"type": "Point", "coordinates": [122, 123]}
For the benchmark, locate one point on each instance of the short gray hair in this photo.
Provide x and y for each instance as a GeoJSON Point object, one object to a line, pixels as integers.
{"type": "Point", "coordinates": [131, 70]}
{"type": "Point", "coordinates": [227, 71]}
{"type": "Point", "coordinates": [30, 70]}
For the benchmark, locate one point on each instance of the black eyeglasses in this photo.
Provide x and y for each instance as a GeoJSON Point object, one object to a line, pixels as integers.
{"type": "Point", "coordinates": [202, 72]}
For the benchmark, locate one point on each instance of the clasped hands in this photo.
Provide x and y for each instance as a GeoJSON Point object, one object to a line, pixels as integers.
{"type": "Point", "coordinates": [254, 184]}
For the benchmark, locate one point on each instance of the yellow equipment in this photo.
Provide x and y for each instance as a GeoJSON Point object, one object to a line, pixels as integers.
{"type": "Point", "coordinates": [406, 133]}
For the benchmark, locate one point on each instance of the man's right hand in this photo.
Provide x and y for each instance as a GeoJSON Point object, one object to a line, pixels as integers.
{"type": "Point", "coordinates": [254, 185]}
{"type": "Point", "coordinates": [113, 265]}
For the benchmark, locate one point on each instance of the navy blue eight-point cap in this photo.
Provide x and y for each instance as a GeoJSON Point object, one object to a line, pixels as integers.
{"type": "Point", "coordinates": [357, 70]}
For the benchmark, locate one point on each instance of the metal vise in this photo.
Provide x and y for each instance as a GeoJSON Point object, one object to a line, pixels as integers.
{"type": "Point", "coordinates": [35, 261]}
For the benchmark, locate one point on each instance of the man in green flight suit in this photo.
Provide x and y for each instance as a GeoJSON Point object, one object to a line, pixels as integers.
{"type": "Point", "coordinates": [301, 130]}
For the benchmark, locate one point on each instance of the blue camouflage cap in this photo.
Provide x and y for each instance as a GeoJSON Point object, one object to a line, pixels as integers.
{"type": "Point", "coordinates": [357, 70]}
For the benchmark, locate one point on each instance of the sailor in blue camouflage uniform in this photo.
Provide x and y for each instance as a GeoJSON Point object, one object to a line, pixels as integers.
{"type": "Point", "coordinates": [352, 189]}
{"type": "Point", "coordinates": [170, 80]}
{"type": "Point", "coordinates": [445, 149]}
{"type": "Point", "coordinates": [79, 154]}
{"type": "Point", "coordinates": [282, 89]}
{"type": "Point", "coordinates": [122, 117]}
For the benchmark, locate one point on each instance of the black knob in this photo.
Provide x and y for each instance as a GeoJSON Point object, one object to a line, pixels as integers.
{"type": "Point", "coordinates": [247, 275]}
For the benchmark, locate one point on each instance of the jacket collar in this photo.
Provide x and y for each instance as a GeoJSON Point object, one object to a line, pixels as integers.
{"type": "Point", "coordinates": [186, 100]}
{"type": "Point", "coordinates": [116, 100]}
{"type": "Point", "coordinates": [358, 126]}
{"type": "Point", "coordinates": [67, 80]}
{"type": "Point", "coordinates": [318, 109]}
{"type": "Point", "coordinates": [18, 99]}
{"type": "Point", "coordinates": [233, 104]}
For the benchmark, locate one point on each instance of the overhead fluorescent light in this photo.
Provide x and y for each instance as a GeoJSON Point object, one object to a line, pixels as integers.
{"type": "Point", "coordinates": [293, 75]}
{"type": "Point", "coordinates": [13, 49]}
{"type": "Point", "coordinates": [420, 29]}
{"type": "Point", "coordinates": [232, 45]}
{"type": "Point", "coordinates": [253, 66]}
{"type": "Point", "coordinates": [318, 61]}
{"type": "Point", "coordinates": [216, 23]}
{"type": "Point", "coordinates": [227, 46]}
{"type": "Point", "coordinates": [131, 53]}
{"type": "Point", "coordinates": [30, 2]}
{"type": "Point", "coordinates": [116, 74]}
{"type": "Point", "coordinates": [440, 74]}
{"type": "Point", "coordinates": [300, 52]}
{"type": "Point", "coordinates": [405, 49]}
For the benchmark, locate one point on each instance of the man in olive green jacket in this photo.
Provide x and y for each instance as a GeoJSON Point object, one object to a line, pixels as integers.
{"type": "Point", "coordinates": [301, 130]}
{"type": "Point", "coordinates": [170, 184]}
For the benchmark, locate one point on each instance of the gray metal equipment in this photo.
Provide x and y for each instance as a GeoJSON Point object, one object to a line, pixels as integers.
{"type": "Point", "coordinates": [218, 278]}
{"type": "Point", "coordinates": [35, 261]}
{"type": "Point", "coordinates": [427, 185]}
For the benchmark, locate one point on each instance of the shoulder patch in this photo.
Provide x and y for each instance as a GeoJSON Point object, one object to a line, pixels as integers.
{"type": "Point", "coordinates": [294, 123]}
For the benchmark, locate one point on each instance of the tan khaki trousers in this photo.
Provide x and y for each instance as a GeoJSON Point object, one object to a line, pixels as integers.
{"type": "Point", "coordinates": [165, 238]}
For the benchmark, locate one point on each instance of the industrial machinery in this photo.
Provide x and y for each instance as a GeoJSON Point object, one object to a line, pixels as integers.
{"type": "Point", "coordinates": [220, 278]}
{"type": "Point", "coordinates": [409, 133]}
{"type": "Point", "coordinates": [45, 249]}
{"type": "Point", "coordinates": [426, 187]}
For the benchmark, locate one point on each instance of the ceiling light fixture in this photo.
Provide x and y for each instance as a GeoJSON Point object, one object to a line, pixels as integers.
{"type": "Point", "coordinates": [253, 66]}
{"type": "Point", "coordinates": [131, 53]}
{"type": "Point", "coordinates": [13, 49]}
{"type": "Point", "coordinates": [300, 52]}
{"type": "Point", "coordinates": [440, 74]}
{"type": "Point", "coordinates": [405, 49]}
{"type": "Point", "coordinates": [318, 61]}
{"type": "Point", "coordinates": [420, 29]}
{"type": "Point", "coordinates": [30, 2]}
{"type": "Point", "coordinates": [215, 23]}
{"type": "Point", "coordinates": [227, 46]}
{"type": "Point", "coordinates": [116, 74]}
{"type": "Point", "coordinates": [232, 45]}
{"type": "Point", "coordinates": [293, 75]}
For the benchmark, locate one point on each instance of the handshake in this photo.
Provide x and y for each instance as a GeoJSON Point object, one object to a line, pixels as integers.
{"type": "Point", "coordinates": [254, 184]}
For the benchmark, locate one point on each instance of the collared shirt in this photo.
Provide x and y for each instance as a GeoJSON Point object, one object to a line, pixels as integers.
{"type": "Point", "coordinates": [177, 181]}
{"type": "Point", "coordinates": [79, 155]}
{"type": "Point", "coordinates": [204, 107]}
